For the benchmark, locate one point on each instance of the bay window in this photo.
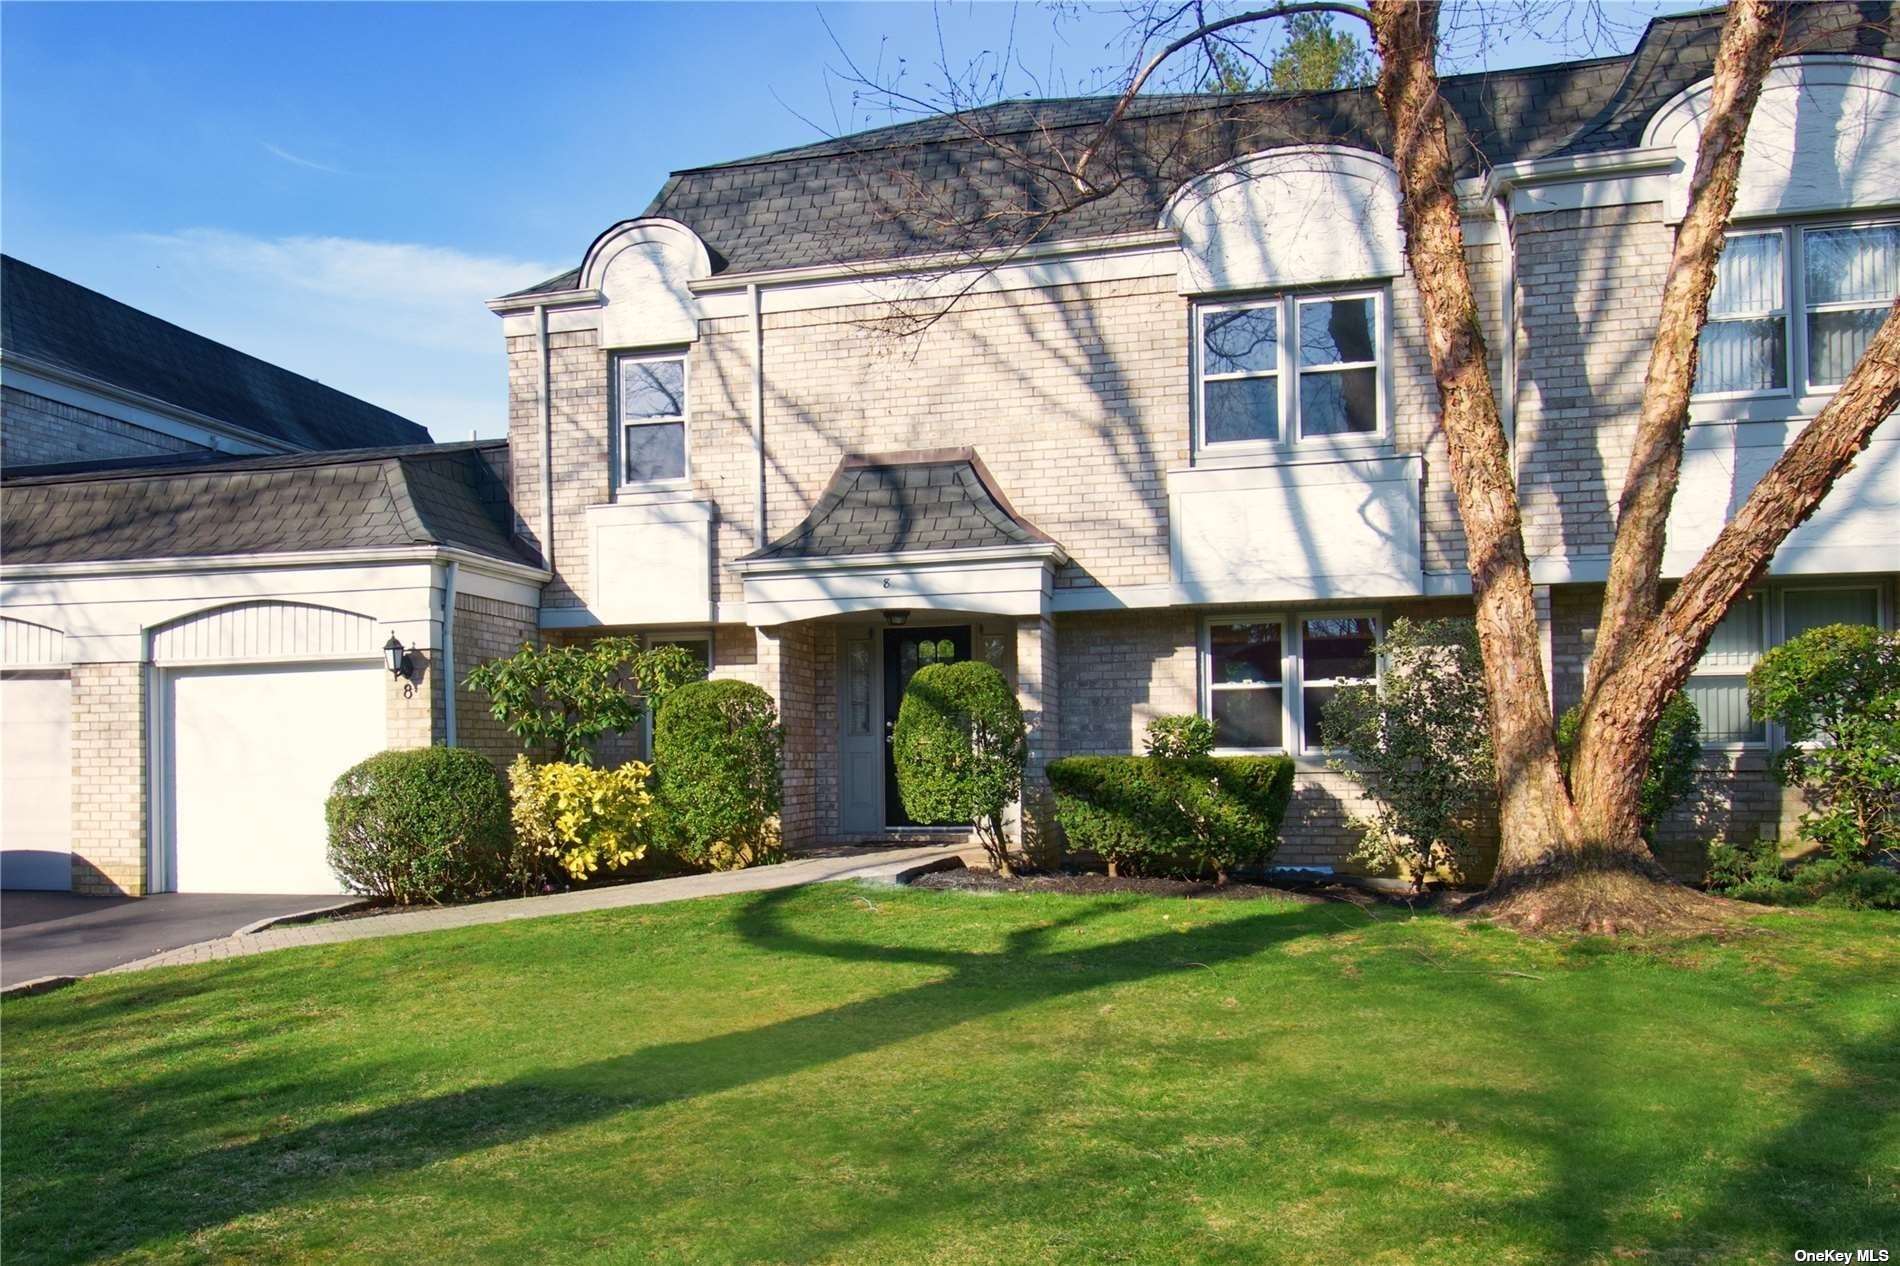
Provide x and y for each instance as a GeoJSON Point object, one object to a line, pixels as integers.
{"type": "Point", "coordinates": [1289, 368]}
{"type": "Point", "coordinates": [650, 405]}
{"type": "Point", "coordinates": [1838, 279]}
{"type": "Point", "coordinates": [1266, 680]}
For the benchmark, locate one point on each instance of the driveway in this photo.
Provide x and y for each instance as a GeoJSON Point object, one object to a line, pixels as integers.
{"type": "Point", "coordinates": [62, 934]}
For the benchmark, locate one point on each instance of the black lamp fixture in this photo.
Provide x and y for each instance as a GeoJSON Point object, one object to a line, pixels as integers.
{"type": "Point", "coordinates": [395, 658]}
{"type": "Point", "coordinates": [895, 618]}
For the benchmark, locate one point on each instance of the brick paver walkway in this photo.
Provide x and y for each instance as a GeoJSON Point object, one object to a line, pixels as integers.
{"type": "Point", "coordinates": [874, 865]}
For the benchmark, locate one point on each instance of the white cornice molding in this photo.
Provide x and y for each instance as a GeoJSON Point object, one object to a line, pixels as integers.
{"type": "Point", "coordinates": [34, 376]}
{"type": "Point", "coordinates": [939, 262]}
{"type": "Point", "coordinates": [1476, 193]}
{"type": "Point", "coordinates": [273, 562]}
{"type": "Point", "coordinates": [551, 299]}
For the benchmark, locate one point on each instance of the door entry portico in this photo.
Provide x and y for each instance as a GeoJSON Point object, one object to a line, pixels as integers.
{"type": "Point", "coordinates": [906, 651]}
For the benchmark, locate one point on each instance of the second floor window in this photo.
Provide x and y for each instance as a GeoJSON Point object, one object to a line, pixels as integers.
{"type": "Point", "coordinates": [1796, 305]}
{"type": "Point", "coordinates": [651, 404]}
{"type": "Point", "coordinates": [1289, 368]}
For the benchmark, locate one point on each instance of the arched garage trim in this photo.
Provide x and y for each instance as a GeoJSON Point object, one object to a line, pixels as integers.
{"type": "Point", "coordinates": [262, 632]}
{"type": "Point", "coordinates": [24, 644]}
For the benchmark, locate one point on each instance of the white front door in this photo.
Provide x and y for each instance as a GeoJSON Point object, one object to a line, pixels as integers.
{"type": "Point", "coordinates": [250, 754]}
{"type": "Point", "coordinates": [36, 799]}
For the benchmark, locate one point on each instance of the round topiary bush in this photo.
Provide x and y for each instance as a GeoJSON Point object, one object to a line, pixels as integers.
{"type": "Point", "coordinates": [959, 746]}
{"type": "Point", "coordinates": [429, 824]}
{"type": "Point", "coordinates": [716, 757]}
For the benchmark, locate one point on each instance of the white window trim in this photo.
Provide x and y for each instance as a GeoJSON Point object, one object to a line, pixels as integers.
{"type": "Point", "coordinates": [617, 445]}
{"type": "Point", "coordinates": [647, 642]}
{"type": "Point", "coordinates": [1785, 313]}
{"type": "Point", "coordinates": [1286, 371]}
{"type": "Point", "coordinates": [1768, 626]}
{"type": "Point", "coordinates": [1292, 684]}
{"type": "Point", "coordinates": [1800, 398]}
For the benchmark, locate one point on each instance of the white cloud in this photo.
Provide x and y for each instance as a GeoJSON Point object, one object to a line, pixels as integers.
{"type": "Point", "coordinates": [400, 324]}
{"type": "Point", "coordinates": [279, 152]}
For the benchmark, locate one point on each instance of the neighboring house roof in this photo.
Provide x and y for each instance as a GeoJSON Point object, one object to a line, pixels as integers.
{"type": "Point", "coordinates": [887, 503]}
{"type": "Point", "coordinates": [65, 325]}
{"type": "Point", "coordinates": [438, 494]}
{"type": "Point", "coordinates": [918, 188]}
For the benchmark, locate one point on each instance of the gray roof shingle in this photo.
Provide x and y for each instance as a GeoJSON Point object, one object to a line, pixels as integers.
{"type": "Point", "coordinates": [439, 494]}
{"type": "Point", "coordinates": [46, 317]}
{"type": "Point", "coordinates": [889, 503]}
{"type": "Point", "coordinates": [920, 187]}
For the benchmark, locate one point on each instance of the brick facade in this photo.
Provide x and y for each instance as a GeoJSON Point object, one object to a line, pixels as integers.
{"type": "Point", "coordinates": [486, 629]}
{"type": "Point", "coordinates": [35, 431]}
{"type": "Point", "coordinates": [109, 778]}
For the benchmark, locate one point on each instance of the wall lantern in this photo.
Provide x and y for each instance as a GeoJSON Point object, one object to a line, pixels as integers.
{"type": "Point", "coordinates": [395, 658]}
{"type": "Point", "coordinates": [895, 618]}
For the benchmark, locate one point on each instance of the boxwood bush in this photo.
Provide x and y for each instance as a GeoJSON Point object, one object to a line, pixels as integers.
{"type": "Point", "coordinates": [959, 746]}
{"type": "Point", "coordinates": [716, 756]}
{"type": "Point", "coordinates": [1185, 817]}
{"type": "Point", "coordinates": [424, 825]}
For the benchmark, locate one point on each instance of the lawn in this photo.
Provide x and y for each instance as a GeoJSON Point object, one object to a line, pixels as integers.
{"type": "Point", "coordinates": [862, 1075]}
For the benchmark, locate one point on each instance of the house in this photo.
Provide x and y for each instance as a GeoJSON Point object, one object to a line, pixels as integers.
{"type": "Point", "coordinates": [204, 556]}
{"type": "Point", "coordinates": [85, 378]}
{"type": "Point", "coordinates": [1175, 452]}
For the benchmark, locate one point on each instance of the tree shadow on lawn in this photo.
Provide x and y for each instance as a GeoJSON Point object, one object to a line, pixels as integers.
{"type": "Point", "coordinates": [217, 1185]}
{"type": "Point", "coordinates": [1568, 1217]}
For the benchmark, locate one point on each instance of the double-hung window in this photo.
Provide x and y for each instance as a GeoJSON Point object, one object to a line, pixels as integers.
{"type": "Point", "coordinates": [650, 405]}
{"type": "Point", "coordinates": [1839, 280]}
{"type": "Point", "coordinates": [1267, 679]}
{"type": "Point", "coordinates": [1290, 368]}
{"type": "Point", "coordinates": [1719, 684]}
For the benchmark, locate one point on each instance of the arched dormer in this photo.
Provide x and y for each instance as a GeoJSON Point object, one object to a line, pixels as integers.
{"type": "Point", "coordinates": [1825, 136]}
{"type": "Point", "coordinates": [1300, 215]}
{"type": "Point", "coordinates": [641, 269]}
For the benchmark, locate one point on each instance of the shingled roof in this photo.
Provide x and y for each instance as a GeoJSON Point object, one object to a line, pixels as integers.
{"type": "Point", "coordinates": [937, 499]}
{"type": "Point", "coordinates": [863, 197]}
{"type": "Point", "coordinates": [440, 494]}
{"type": "Point", "coordinates": [65, 325]}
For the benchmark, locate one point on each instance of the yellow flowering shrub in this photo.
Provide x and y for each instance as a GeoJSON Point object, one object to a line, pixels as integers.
{"type": "Point", "coordinates": [578, 817]}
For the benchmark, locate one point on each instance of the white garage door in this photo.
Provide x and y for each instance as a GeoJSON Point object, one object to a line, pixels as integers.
{"type": "Point", "coordinates": [36, 800]}
{"type": "Point", "coordinates": [250, 755]}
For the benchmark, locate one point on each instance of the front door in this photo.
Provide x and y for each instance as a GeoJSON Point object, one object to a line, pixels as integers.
{"type": "Point", "coordinates": [905, 651]}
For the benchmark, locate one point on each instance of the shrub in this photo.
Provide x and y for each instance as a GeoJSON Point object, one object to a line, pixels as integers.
{"type": "Point", "coordinates": [423, 825]}
{"type": "Point", "coordinates": [1170, 816]}
{"type": "Point", "coordinates": [1759, 875]}
{"type": "Point", "coordinates": [577, 818]}
{"type": "Point", "coordinates": [1835, 691]}
{"type": "Point", "coordinates": [716, 749]}
{"type": "Point", "coordinates": [1177, 737]}
{"type": "Point", "coordinates": [959, 746]}
{"type": "Point", "coordinates": [562, 699]}
{"type": "Point", "coordinates": [1419, 744]}
{"type": "Point", "coordinates": [1673, 753]}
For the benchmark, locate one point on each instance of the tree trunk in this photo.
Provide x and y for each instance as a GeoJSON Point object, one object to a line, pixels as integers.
{"type": "Point", "coordinates": [1535, 816]}
{"type": "Point", "coordinates": [1613, 741]}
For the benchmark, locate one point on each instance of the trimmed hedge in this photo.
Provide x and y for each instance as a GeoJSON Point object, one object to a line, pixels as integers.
{"type": "Point", "coordinates": [1182, 817]}
{"type": "Point", "coordinates": [716, 749]}
{"type": "Point", "coordinates": [428, 824]}
{"type": "Point", "coordinates": [959, 745]}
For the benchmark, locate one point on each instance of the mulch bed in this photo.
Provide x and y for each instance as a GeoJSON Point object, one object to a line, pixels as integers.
{"type": "Point", "coordinates": [1095, 883]}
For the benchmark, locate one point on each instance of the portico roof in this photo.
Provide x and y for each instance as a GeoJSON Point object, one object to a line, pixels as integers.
{"type": "Point", "coordinates": [895, 503]}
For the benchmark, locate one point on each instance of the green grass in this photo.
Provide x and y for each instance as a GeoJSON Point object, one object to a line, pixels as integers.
{"type": "Point", "coordinates": [858, 1075]}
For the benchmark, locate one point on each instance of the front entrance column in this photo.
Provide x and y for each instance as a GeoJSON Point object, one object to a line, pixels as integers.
{"type": "Point", "coordinates": [1036, 691]}
{"type": "Point", "coordinates": [784, 662]}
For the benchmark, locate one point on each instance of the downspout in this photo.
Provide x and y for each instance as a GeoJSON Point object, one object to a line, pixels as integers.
{"type": "Point", "coordinates": [547, 436]}
{"type": "Point", "coordinates": [758, 410]}
{"type": "Point", "coordinates": [448, 653]}
{"type": "Point", "coordinates": [1507, 314]}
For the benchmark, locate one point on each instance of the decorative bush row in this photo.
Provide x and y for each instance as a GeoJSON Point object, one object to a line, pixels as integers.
{"type": "Point", "coordinates": [959, 745]}
{"type": "Point", "coordinates": [423, 825]}
{"type": "Point", "coordinates": [1173, 816]}
{"type": "Point", "coordinates": [577, 820]}
{"type": "Point", "coordinates": [717, 745]}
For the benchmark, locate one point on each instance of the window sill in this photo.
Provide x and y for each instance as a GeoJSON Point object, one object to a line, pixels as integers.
{"type": "Point", "coordinates": [656, 492]}
{"type": "Point", "coordinates": [1214, 456]}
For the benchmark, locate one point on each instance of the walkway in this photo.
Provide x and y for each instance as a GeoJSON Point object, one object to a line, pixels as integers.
{"type": "Point", "coordinates": [874, 865]}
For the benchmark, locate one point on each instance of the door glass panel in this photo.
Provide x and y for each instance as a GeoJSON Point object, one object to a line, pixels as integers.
{"type": "Point", "coordinates": [857, 668]}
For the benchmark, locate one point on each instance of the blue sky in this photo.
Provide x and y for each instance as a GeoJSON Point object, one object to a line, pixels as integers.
{"type": "Point", "coordinates": [337, 187]}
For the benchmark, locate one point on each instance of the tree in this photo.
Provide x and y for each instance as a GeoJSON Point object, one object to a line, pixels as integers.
{"type": "Point", "coordinates": [564, 698]}
{"type": "Point", "coordinates": [1318, 58]}
{"type": "Point", "coordinates": [1572, 853]}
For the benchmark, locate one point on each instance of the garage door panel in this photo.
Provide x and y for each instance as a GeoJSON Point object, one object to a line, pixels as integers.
{"type": "Point", "coordinates": [251, 754]}
{"type": "Point", "coordinates": [36, 782]}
